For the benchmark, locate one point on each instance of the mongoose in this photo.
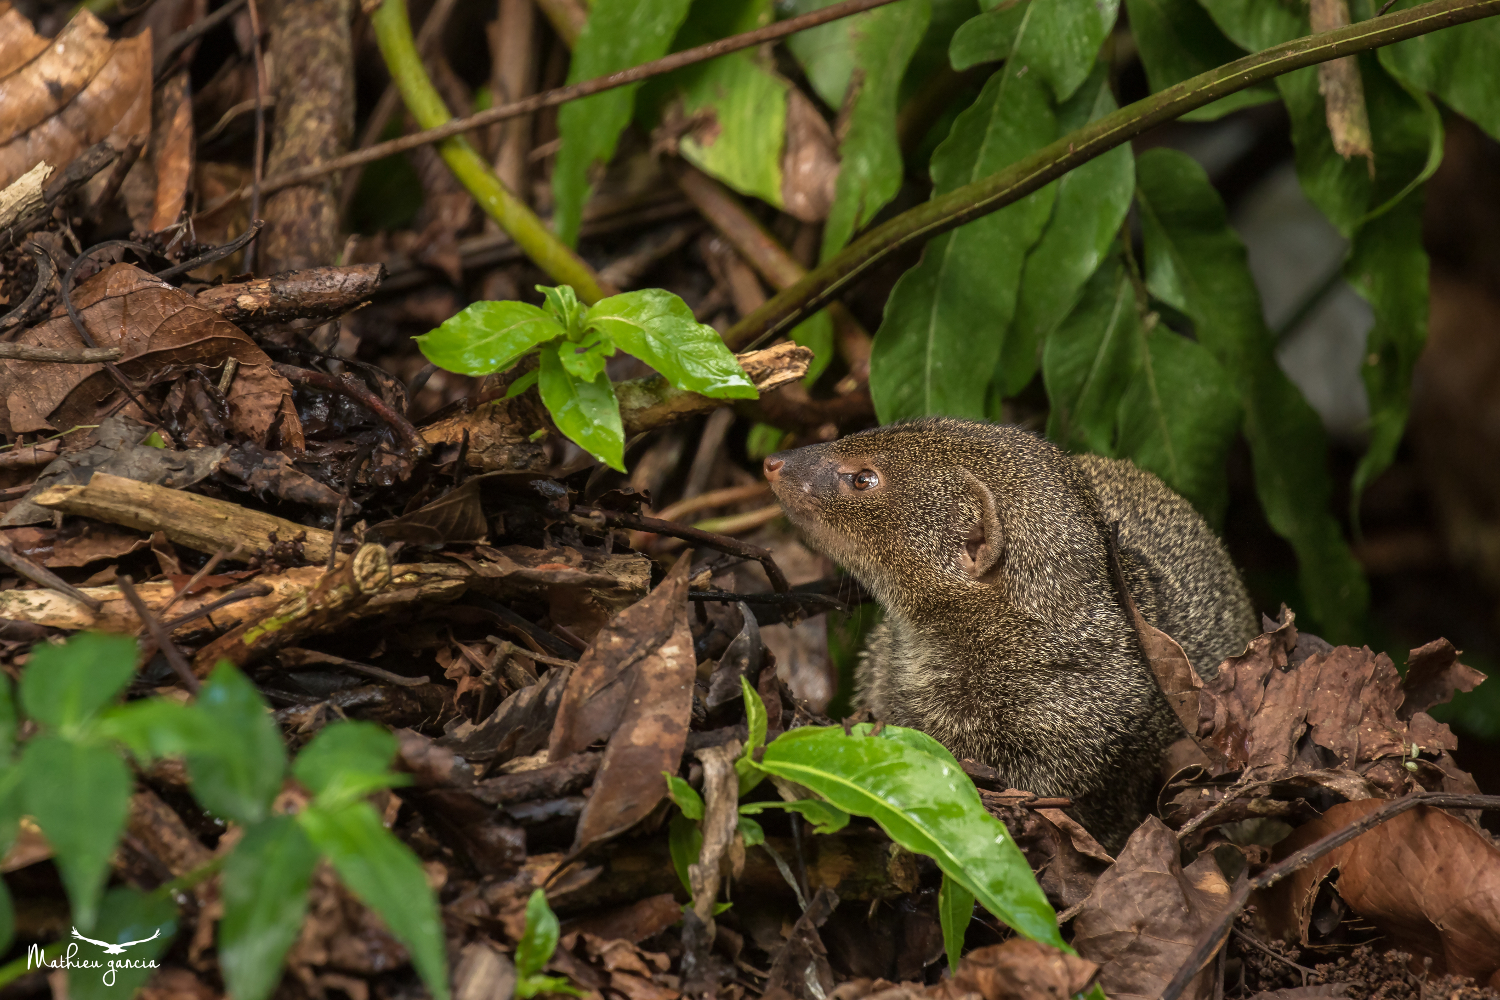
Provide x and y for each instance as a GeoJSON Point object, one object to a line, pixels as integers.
{"type": "Point", "coordinates": [1005, 636]}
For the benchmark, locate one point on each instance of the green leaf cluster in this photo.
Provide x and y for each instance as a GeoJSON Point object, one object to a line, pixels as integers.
{"type": "Point", "coordinates": [912, 787]}
{"type": "Point", "coordinates": [73, 779]}
{"type": "Point", "coordinates": [573, 342]}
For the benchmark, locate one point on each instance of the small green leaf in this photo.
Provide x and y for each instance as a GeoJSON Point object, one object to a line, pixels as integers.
{"type": "Point", "coordinates": [154, 440]}
{"type": "Point", "coordinates": [8, 722]}
{"type": "Point", "coordinates": [152, 728]}
{"type": "Point", "coordinates": [562, 302]}
{"type": "Point", "coordinates": [617, 35]}
{"type": "Point", "coordinates": [387, 877]}
{"type": "Point", "coordinates": [523, 383]}
{"type": "Point", "coordinates": [825, 818]}
{"type": "Point", "coordinates": [686, 797]}
{"type": "Point", "coordinates": [488, 337]}
{"type": "Point", "coordinates": [825, 53]}
{"type": "Point", "coordinates": [1061, 39]}
{"type": "Point", "coordinates": [264, 886]}
{"type": "Point", "coordinates": [755, 718]}
{"type": "Point", "coordinates": [750, 831]}
{"type": "Point", "coordinates": [79, 794]}
{"type": "Point", "coordinates": [126, 915]}
{"type": "Point", "coordinates": [241, 774]}
{"type": "Point", "coordinates": [587, 412]}
{"type": "Point", "coordinates": [763, 440]}
{"type": "Point", "coordinates": [537, 985]}
{"type": "Point", "coordinates": [987, 37]}
{"type": "Point", "coordinates": [63, 686]}
{"type": "Point", "coordinates": [816, 334]}
{"type": "Point", "coordinates": [685, 841]}
{"type": "Point", "coordinates": [539, 939]}
{"type": "Point", "coordinates": [926, 804]}
{"type": "Point", "coordinates": [658, 327]}
{"type": "Point", "coordinates": [347, 761]}
{"type": "Point", "coordinates": [586, 358]}
{"type": "Point", "coordinates": [955, 910]}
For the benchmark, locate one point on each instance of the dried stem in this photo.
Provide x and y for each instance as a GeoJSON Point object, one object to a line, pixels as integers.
{"type": "Point", "coordinates": [159, 635]}
{"type": "Point", "coordinates": [719, 543]}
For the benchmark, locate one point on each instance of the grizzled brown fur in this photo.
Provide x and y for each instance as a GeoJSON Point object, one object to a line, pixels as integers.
{"type": "Point", "coordinates": [1004, 636]}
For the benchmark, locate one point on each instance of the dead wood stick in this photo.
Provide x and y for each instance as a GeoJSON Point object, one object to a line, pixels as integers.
{"type": "Point", "coordinates": [1213, 939]}
{"type": "Point", "coordinates": [159, 635]}
{"type": "Point", "coordinates": [349, 385]}
{"type": "Point", "coordinates": [572, 92]}
{"type": "Point", "coordinates": [648, 403]}
{"type": "Point", "coordinates": [719, 543]}
{"type": "Point", "coordinates": [316, 293]}
{"type": "Point", "coordinates": [44, 577]}
{"type": "Point", "coordinates": [233, 597]}
{"type": "Point", "coordinates": [326, 604]}
{"type": "Point", "coordinates": [197, 522]}
{"type": "Point", "coordinates": [45, 272]}
{"type": "Point", "coordinates": [196, 578]}
{"type": "Point", "coordinates": [81, 356]}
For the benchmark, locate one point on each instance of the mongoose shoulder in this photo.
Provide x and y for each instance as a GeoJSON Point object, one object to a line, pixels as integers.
{"type": "Point", "coordinates": [1004, 634]}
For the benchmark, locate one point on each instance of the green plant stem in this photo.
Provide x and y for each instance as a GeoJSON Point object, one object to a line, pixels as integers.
{"type": "Point", "coordinates": [993, 193]}
{"type": "Point", "coordinates": [14, 970]}
{"type": "Point", "coordinates": [393, 34]}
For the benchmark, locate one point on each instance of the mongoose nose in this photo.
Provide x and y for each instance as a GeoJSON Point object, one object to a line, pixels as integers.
{"type": "Point", "coordinates": [773, 466]}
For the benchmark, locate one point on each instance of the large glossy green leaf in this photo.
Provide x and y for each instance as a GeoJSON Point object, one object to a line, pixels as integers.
{"type": "Point", "coordinates": [126, 915]}
{"type": "Point", "coordinates": [1196, 264]}
{"type": "Point", "coordinates": [1388, 266]}
{"type": "Point", "coordinates": [926, 804]}
{"type": "Point", "coordinates": [587, 412]}
{"type": "Point", "coordinates": [1178, 40]}
{"type": "Point", "coordinates": [488, 337]}
{"type": "Point", "coordinates": [1178, 419]}
{"type": "Point", "coordinates": [870, 166]}
{"type": "Point", "coordinates": [1061, 38]}
{"type": "Point", "coordinates": [945, 322]}
{"type": "Point", "coordinates": [1091, 204]}
{"type": "Point", "coordinates": [387, 877]}
{"type": "Point", "coordinates": [240, 776]}
{"type": "Point", "coordinates": [658, 327]}
{"type": "Point", "coordinates": [64, 686]}
{"type": "Point", "coordinates": [618, 34]}
{"type": "Point", "coordinates": [955, 910]}
{"type": "Point", "coordinates": [1089, 362]}
{"type": "Point", "coordinates": [347, 761]}
{"type": "Point", "coordinates": [1459, 65]}
{"type": "Point", "coordinates": [79, 794]}
{"type": "Point", "coordinates": [264, 887]}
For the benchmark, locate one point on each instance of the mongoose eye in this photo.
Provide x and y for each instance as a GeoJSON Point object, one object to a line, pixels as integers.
{"type": "Point", "coordinates": [866, 480]}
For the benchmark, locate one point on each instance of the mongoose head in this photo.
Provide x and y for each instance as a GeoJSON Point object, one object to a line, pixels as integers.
{"type": "Point", "coordinates": [938, 510]}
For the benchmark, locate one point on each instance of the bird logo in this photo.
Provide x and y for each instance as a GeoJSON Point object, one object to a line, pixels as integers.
{"type": "Point", "coordinates": [116, 949]}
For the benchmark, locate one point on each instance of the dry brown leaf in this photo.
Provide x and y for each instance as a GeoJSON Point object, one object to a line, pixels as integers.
{"type": "Point", "coordinates": [157, 325]}
{"type": "Point", "coordinates": [1067, 859]}
{"type": "Point", "coordinates": [809, 161]}
{"type": "Point", "coordinates": [1433, 674]}
{"type": "Point", "coordinates": [1023, 970]}
{"type": "Point", "coordinates": [1146, 914]}
{"type": "Point", "coordinates": [636, 681]}
{"type": "Point", "coordinates": [70, 94]}
{"type": "Point", "coordinates": [79, 543]}
{"type": "Point", "coordinates": [1428, 880]}
{"type": "Point", "coordinates": [483, 972]}
{"type": "Point", "coordinates": [721, 793]}
{"type": "Point", "coordinates": [634, 923]}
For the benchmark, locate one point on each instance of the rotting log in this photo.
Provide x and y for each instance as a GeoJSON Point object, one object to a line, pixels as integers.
{"type": "Point", "coordinates": [313, 293]}
{"type": "Point", "coordinates": [197, 522]}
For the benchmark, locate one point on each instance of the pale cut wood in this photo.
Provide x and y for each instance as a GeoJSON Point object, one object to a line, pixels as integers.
{"type": "Point", "coordinates": [197, 522]}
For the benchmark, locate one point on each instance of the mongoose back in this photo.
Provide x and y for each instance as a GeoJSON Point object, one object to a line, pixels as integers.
{"type": "Point", "coordinates": [1004, 635]}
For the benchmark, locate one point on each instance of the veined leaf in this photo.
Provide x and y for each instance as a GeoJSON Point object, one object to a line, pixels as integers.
{"type": "Point", "coordinates": [955, 910]}
{"type": "Point", "coordinates": [1458, 65]}
{"type": "Point", "coordinates": [387, 877]}
{"type": "Point", "coordinates": [944, 326]}
{"type": "Point", "coordinates": [488, 337]}
{"type": "Point", "coordinates": [1178, 419]}
{"type": "Point", "coordinates": [79, 794]}
{"type": "Point", "coordinates": [685, 796]}
{"type": "Point", "coordinates": [1196, 264]}
{"type": "Point", "coordinates": [64, 686]}
{"type": "Point", "coordinates": [755, 721]}
{"type": "Point", "coordinates": [824, 817]}
{"type": "Point", "coordinates": [1091, 204]}
{"type": "Point", "coordinates": [926, 804]}
{"type": "Point", "coordinates": [618, 34]}
{"type": "Point", "coordinates": [986, 37]}
{"type": "Point", "coordinates": [870, 167]}
{"type": "Point", "coordinates": [1061, 39]}
{"type": "Point", "coordinates": [539, 939]}
{"type": "Point", "coordinates": [264, 886]}
{"type": "Point", "coordinates": [587, 412]}
{"type": "Point", "coordinates": [658, 327]}
{"type": "Point", "coordinates": [1177, 41]}
{"type": "Point", "coordinates": [241, 774]}
{"type": "Point", "coordinates": [1089, 362]}
{"type": "Point", "coordinates": [125, 915]}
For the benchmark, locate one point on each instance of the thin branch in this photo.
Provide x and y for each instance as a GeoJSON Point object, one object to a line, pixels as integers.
{"type": "Point", "coordinates": [178, 41]}
{"type": "Point", "coordinates": [159, 635]}
{"type": "Point", "coordinates": [83, 356]}
{"type": "Point", "coordinates": [45, 272]}
{"type": "Point", "coordinates": [258, 160]}
{"type": "Point", "coordinates": [1215, 936]}
{"type": "Point", "coordinates": [993, 193]}
{"type": "Point", "coordinates": [44, 577]}
{"type": "Point", "coordinates": [720, 543]}
{"type": "Point", "coordinates": [348, 385]}
{"type": "Point", "coordinates": [196, 578]}
{"type": "Point", "coordinates": [573, 92]}
{"type": "Point", "coordinates": [233, 597]}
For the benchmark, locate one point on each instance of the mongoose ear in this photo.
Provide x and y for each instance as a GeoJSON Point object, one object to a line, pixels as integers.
{"type": "Point", "coordinates": [984, 545]}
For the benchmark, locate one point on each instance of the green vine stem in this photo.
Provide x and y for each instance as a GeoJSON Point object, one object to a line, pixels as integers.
{"type": "Point", "coordinates": [393, 34]}
{"type": "Point", "coordinates": [992, 193]}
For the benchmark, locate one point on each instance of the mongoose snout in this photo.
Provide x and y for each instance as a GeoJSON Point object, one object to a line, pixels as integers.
{"type": "Point", "coordinates": [1004, 634]}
